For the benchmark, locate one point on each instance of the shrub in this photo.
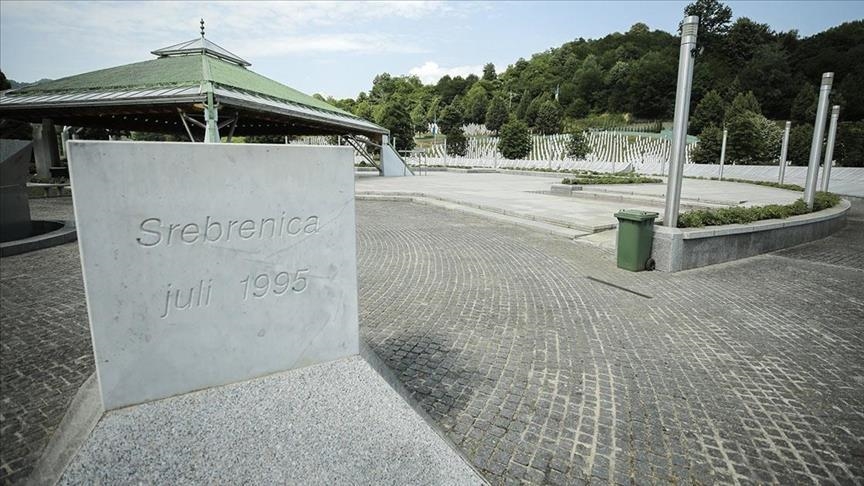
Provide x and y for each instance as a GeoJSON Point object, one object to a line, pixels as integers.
{"type": "Point", "coordinates": [742, 215]}
{"type": "Point", "coordinates": [710, 144]}
{"type": "Point", "coordinates": [549, 118]}
{"type": "Point", "coordinates": [610, 179]}
{"type": "Point", "coordinates": [515, 142]}
{"type": "Point", "coordinates": [577, 145]}
{"type": "Point", "coordinates": [457, 144]}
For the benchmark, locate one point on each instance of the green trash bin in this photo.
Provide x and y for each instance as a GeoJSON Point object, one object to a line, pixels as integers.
{"type": "Point", "coordinates": [635, 236]}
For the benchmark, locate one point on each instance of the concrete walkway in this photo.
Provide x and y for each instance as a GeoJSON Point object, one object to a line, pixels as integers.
{"type": "Point", "coordinates": [524, 196]}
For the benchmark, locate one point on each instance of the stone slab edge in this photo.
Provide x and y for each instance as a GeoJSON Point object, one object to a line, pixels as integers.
{"type": "Point", "coordinates": [600, 195]}
{"type": "Point", "coordinates": [85, 411]}
{"type": "Point", "coordinates": [518, 220]}
{"type": "Point", "coordinates": [66, 234]}
{"type": "Point", "coordinates": [80, 419]}
{"type": "Point", "coordinates": [514, 214]}
{"type": "Point", "coordinates": [387, 374]}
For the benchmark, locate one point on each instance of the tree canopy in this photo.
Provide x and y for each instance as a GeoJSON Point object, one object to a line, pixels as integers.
{"type": "Point", "coordinates": [634, 72]}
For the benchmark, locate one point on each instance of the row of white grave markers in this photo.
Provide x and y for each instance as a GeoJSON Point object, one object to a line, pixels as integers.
{"type": "Point", "coordinates": [605, 147]}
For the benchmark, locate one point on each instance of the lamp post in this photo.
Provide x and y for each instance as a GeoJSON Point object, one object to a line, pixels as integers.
{"type": "Point", "coordinates": [723, 152]}
{"type": "Point", "coordinates": [784, 151]}
{"type": "Point", "coordinates": [686, 56]}
{"type": "Point", "coordinates": [829, 149]}
{"type": "Point", "coordinates": [816, 143]}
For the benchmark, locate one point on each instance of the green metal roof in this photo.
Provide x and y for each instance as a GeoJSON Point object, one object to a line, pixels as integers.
{"type": "Point", "coordinates": [187, 70]}
{"type": "Point", "coordinates": [162, 72]}
{"type": "Point", "coordinates": [146, 96]}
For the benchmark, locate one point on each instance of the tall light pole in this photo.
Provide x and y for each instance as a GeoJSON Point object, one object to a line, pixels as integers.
{"type": "Point", "coordinates": [829, 149]}
{"type": "Point", "coordinates": [686, 56]}
{"type": "Point", "coordinates": [816, 143]}
{"type": "Point", "coordinates": [723, 152]}
{"type": "Point", "coordinates": [784, 151]}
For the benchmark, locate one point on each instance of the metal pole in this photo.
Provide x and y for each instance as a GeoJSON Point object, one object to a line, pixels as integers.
{"type": "Point", "coordinates": [682, 111]}
{"type": "Point", "coordinates": [816, 143]}
{"type": "Point", "coordinates": [211, 132]}
{"type": "Point", "coordinates": [784, 151]}
{"type": "Point", "coordinates": [829, 149]}
{"type": "Point", "coordinates": [723, 152]}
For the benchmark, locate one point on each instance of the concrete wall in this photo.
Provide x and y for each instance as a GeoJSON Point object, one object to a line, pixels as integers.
{"type": "Point", "coordinates": [14, 203]}
{"type": "Point", "coordinates": [392, 164]}
{"type": "Point", "coordinates": [682, 249]}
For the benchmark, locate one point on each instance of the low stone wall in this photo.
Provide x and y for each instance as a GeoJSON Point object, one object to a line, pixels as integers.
{"type": "Point", "coordinates": [677, 249]}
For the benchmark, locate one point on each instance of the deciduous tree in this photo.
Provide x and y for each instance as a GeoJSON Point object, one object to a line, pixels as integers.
{"type": "Point", "coordinates": [515, 141]}
{"type": "Point", "coordinates": [577, 145]}
{"type": "Point", "coordinates": [496, 114]}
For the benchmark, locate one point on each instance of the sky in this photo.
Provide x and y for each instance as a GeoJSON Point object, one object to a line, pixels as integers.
{"type": "Point", "coordinates": [337, 48]}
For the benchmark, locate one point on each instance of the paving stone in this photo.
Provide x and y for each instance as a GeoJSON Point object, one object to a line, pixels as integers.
{"type": "Point", "coordinates": [724, 368]}
{"type": "Point", "coordinates": [753, 365]}
{"type": "Point", "coordinates": [45, 347]}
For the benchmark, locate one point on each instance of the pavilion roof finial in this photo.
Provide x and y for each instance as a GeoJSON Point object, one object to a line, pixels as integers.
{"type": "Point", "coordinates": [200, 45]}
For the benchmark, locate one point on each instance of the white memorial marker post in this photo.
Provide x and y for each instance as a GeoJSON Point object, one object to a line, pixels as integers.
{"type": "Point", "coordinates": [784, 151]}
{"type": "Point", "coordinates": [682, 111]}
{"type": "Point", "coordinates": [829, 148]}
{"type": "Point", "coordinates": [207, 264]}
{"type": "Point", "coordinates": [816, 143]}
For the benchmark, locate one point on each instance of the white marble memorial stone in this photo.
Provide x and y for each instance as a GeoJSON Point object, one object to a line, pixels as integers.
{"type": "Point", "coordinates": [206, 264]}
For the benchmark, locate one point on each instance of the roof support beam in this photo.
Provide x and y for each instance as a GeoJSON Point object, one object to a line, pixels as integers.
{"type": "Point", "coordinates": [185, 125]}
{"type": "Point", "coordinates": [233, 123]}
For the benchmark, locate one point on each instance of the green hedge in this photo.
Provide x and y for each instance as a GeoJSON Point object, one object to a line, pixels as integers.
{"type": "Point", "coordinates": [742, 215]}
{"type": "Point", "coordinates": [789, 187]}
{"type": "Point", "coordinates": [610, 179]}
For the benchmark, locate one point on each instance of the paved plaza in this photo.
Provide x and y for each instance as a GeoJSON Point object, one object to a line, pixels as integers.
{"type": "Point", "coordinates": [541, 360]}
{"type": "Point", "coordinates": [526, 196]}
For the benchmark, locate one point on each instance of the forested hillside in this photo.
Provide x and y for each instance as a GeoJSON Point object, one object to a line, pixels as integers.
{"type": "Point", "coordinates": [631, 75]}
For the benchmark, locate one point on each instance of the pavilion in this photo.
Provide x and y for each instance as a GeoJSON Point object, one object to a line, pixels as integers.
{"type": "Point", "coordinates": [189, 86]}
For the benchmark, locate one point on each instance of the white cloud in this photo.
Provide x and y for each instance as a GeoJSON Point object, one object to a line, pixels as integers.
{"type": "Point", "coordinates": [248, 29]}
{"type": "Point", "coordinates": [303, 44]}
{"type": "Point", "coordinates": [430, 72]}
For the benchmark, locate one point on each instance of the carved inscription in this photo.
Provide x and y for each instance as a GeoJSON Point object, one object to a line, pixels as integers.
{"type": "Point", "coordinates": [154, 232]}
{"type": "Point", "coordinates": [262, 284]}
{"type": "Point", "coordinates": [196, 296]}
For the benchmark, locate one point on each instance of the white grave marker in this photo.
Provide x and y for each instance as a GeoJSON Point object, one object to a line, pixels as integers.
{"type": "Point", "coordinates": [206, 264]}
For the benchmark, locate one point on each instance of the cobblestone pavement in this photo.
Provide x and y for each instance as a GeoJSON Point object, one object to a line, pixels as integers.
{"type": "Point", "coordinates": [45, 352]}
{"type": "Point", "coordinates": [743, 373]}
{"type": "Point", "coordinates": [746, 372]}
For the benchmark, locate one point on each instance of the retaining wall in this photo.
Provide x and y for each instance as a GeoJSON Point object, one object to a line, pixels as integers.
{"type": "Point", "coordinates": [676, 249]}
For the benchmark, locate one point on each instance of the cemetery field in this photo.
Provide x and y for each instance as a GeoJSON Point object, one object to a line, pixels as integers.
{"type": "Point", "coordinates": [625, 147]}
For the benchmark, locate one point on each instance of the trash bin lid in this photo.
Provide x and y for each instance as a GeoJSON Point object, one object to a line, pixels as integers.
{"type": "Point", "coordinates": [636, 215]}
